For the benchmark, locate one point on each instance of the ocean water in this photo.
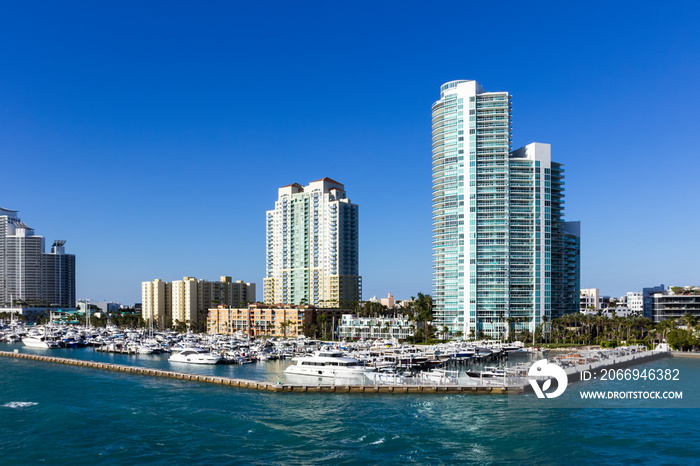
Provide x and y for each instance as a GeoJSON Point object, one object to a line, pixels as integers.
{"type": "Point", "coordinates": [55, 414]}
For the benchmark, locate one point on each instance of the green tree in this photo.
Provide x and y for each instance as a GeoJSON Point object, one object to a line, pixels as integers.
{"type": "Point", "coordinates": [322, 321]}
{"type": "Point", "coordinates": [283, 326]}
{"type": "Point", "coordinates": [679, 340]}
{"type": "Point", "coordinates": [545, 332]}
{"type": "Point", "coordinates": [424, 311]}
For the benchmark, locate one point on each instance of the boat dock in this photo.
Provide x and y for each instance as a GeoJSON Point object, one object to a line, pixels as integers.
{"type": "Point", "coordinates": [685, 354]}
{"type": "Point", "coordinates": [575, 363]}
{"type": "Point", "coordinates": [117, 350]}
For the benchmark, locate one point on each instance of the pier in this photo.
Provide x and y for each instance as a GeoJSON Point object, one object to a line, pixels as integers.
{"type": "Point", "coordinates": [266, 386]}
{"type": "Point", "coordinates": [574, 364]}
{"type": "Point", "coordinates": [685, 354]}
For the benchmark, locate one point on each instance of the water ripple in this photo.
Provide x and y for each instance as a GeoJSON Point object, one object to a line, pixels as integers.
{"type": "Point", "coordinates": [19, 404]}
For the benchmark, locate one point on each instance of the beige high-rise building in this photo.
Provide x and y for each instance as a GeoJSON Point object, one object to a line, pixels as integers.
{"type": "Point", "coordinates": [155, 302]}
{"type": "Point", "coordinates": [187, 300]}
{"type": "Point", "coordinates": [184, 300]}
{"type": "Point", "coordinates": [312, 247]}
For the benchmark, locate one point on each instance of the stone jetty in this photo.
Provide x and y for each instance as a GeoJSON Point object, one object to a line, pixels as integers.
{"type": "Point", "coordinates": [267, 386]}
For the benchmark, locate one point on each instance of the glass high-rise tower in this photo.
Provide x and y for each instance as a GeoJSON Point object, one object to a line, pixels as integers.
{"type": "Point", "coordinates": [503, 259]}
{"type": "Point", "coordinates": [29, 275]}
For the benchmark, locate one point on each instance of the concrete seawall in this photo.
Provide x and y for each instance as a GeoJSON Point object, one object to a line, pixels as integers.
{"type": "Point", "coordinates": [684, 354]}
{"type": "Point", "coordinates": [267, 386]}
{"type": "Point", "coordinates": [574, 373]}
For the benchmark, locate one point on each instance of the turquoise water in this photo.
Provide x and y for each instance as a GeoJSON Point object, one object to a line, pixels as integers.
{"type": "Point", "coordinates": [55, 414]}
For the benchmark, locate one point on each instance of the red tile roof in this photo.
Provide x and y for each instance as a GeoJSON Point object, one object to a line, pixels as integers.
{"type": "Point", "coordinates": [329, 180]}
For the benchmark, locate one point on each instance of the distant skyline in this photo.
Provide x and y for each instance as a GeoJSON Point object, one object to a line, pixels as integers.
{"type": "Point", "coordinates": [153, 136]}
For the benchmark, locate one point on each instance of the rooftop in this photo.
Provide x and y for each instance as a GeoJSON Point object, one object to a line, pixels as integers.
{"type": "Point", "coordinates": [329, 180]}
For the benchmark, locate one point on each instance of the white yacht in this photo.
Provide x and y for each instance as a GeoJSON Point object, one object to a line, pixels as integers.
{"type": "Point", "coordinates": [491, 372]}
{"type": "Point", "coordinates": [440, 376]}
{"type": "Point", "coordinates": [39, 342]}
{"type": "Point", "coordinates": [328, 364]}
{"type": "Point", "coordinates": [195, 356]}
{"type": "Point", "coordinates": [389, 377]}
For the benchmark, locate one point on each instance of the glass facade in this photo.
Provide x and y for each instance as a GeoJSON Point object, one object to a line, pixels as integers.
{"type": "Point", "coordinates": [26, 272]}
{"type": "Point", "coordinates": [496, 218]}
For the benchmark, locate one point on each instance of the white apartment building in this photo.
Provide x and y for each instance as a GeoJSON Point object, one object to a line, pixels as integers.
{"type": "Point", "coordinates": [618, 311]}
{"type": "Point", "coordinates": [312, 247]}
{"type": "Point", "coordinates": [591, 300]}
{"type": "Point", "coordinates": [635, 302]}
{"type": "Point", "coordinates": [355, 328]}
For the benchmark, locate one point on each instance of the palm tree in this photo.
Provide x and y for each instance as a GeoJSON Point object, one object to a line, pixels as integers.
{"type": "Point", "coordinates": [322, 321]}
{"type": "Point", "coordinates": [510, 321]}
{"type": "Point", "coordinates": [424, 309]}
{"type": "Point", "coordinates": [690, 322]}
{"type": "Point", "coordinates": [283, 326]}
{"type": "Point", "coordinates": [545, 319]}
{"type": "Point", "coordinates": [501, 325]}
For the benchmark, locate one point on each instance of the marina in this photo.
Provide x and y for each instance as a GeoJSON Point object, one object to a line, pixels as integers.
{"type": "Point", "coordinates": [258, 385]}
{"type": "Point", "coordinates": [365, 367]}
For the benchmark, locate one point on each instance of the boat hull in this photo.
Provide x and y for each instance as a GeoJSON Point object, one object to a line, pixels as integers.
{"type": "Point", "coordinates": [37, 343]}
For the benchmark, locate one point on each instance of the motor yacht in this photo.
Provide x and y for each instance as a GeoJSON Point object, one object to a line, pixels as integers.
{"type": "Point", "coordinates": [440, 376]}
{"type": "Point", "coordinates": [39, 342]}
{"type": "Point", "coordinates": [195, 356]}
{"type": "Point", "coordinates": [491, 372]}
{"type": "Point", "coordinates": [327, 364]}
{"type": "Point", "coordinates": [386, 377]}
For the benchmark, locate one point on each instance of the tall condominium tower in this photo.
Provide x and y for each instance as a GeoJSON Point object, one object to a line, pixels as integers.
{"type": "Point", "coordinates": [58, 275]}
{"type": "Point", "coordinates": [312, 247]}
{"type": "Point", "coordinates": [26, 272]}
{"type": "Point", "coordinates": [503, 259]}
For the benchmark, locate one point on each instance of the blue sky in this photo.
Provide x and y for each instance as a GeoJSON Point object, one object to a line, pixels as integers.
{"type": "Point", "coordinates": [152, 136]}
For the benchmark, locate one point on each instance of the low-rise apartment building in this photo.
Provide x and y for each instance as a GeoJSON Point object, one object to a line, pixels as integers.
{"type": "Point", "coordinates": [356, 328]}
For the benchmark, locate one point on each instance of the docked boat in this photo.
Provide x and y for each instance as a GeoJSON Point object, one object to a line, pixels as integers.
{"type": "Point", "coordinates": [195, 356]}
{"type": "Point", "coordinates": [328, 364]}
{"type": "Point", "coordinates": [13, 338]}
{"type": "Point", "coordinates": [386, 377]}
{"type": "Point", "coordinates": [491, 372]}
{"type": "Point", "coordinates": [39, 342]}
{"type": "Point", "coordinates": [440, 376]}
